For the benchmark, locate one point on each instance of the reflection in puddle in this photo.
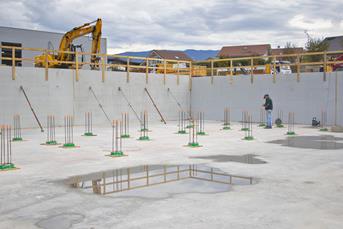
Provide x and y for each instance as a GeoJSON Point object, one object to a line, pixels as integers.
{"type": "Point", "coordinates": [144, 181]}
{"type": "Point", "coordinates": [246, 158]}
{"type": "Point", "coordinates": [311, 142]}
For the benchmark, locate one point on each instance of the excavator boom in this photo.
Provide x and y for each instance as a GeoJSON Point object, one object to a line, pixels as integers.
{"type": "Point", "coordinates": [66, 44]}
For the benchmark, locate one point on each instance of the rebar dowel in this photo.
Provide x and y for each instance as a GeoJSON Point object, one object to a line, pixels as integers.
{"type": "Point", "coordinates": [153, 102]}
{"type": "Point", "coordinates": [323, 121]}
{"type": "Point", "coordinates": [125, 122]}
{"type": "Point", "coordinates": [17, 128]}
{"type": "Point", "coordinates": [6, 148]}
{"type": "Point", "coordinates": [33, 111]}
{"type": "Point", "coordinates": [248, 132]}
{"type": "Point", "coordinates": [144, 126]}
{"type": "Point", "coordinates": [193, 134]}
{"type": "Point", "coordinates": [227, 119]}
{"type": "Point", "coordinates": [69, 131]}
{"type": "Point", "coordinates": [51, 130]}
{"type": "Point", "coordinates": [89, 124]}
{"type": "Point", "coordinates": [201, 124]}
{"type": "Point", "coordinates": [182, 120]}
{"type": "Point", "coordinates": [100, 105]}
{"type": "Point", "coordinates": [245, 121]}
{"type": "Point", "coordinates": [117, 132]}
{"type": "Point", "coordinates": [291, 123]}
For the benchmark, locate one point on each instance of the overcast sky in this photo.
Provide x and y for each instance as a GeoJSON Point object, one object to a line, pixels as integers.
{"type": "Point", "coordinates": [136, 25]}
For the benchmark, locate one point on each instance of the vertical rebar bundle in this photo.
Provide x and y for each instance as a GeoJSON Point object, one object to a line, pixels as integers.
{"type": "Point", "coordinates": [263, 116]}
{"type": "Point", "coordinates": [5, 148]}
{"type": "Point", "coordinates": [227, 119]}
{"type": "Point", "coordinates": [51, 133]}
{"type": "Point", "coordinates": [201, 124]}
{"type": "Point", "coordinates": [16, 128]}
{"type": "Point", "coordinates": [245, 126]}
{"type": "Point", "coordinates": [89, 124]}
{"type": "Point", "coordinates": [279, 120]}
{"type": "Point", "coordinates": [117, 131]}
{"type": "Point", "coordinates": [69, 131]}
{"type": "Point", "coordinates": [182, 122]}
{"type": "Point", "coordinates": [125, 121]}
{"type": "Point", "coordinates": [291, 124]}
{"type": "Point", "coordinates": [323, 121]}
{"type": "Point", "coordinates": [248, 132]}
{"type": "Point", "coordinates": [193, 134]}
{"type": "Point", "coordinates": [144, 127]}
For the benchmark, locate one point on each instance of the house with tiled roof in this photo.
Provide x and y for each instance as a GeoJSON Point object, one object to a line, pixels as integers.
{"type": "Point", "coordinates": [244, 51]}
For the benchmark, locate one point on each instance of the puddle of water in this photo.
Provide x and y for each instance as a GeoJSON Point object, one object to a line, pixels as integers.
{"type": "Point", "coordinates": [61, 221]}
{"type": "Point", "coordinates": [246, 158]}
{"type": "Point", "coordinates": [311, 142]}
{"type": "Point", "coordinates": [157, 181]}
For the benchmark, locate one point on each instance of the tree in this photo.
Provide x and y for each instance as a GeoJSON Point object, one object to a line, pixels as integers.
{"type": "Point", "coordinates": [315, 45]}
{"type": "Point", "coordinates": [290, 48]}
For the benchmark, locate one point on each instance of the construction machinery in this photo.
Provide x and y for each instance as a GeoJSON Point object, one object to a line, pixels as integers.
{"type": "Point", "coordinates": [66, 52]}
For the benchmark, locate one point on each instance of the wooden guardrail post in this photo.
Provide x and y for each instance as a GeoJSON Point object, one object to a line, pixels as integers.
{"type": "Point", "coordinates": [298, 67]}
{"type": "Point", "coordinates": [231, 71]}
{"type": "Point", "coordinates": [164, 71]}
{"type": "Point", "coordinates": [103, 68]}
{"type": "Point", "coordinates": [252, 70]}
{"type": "Point", "coordinates": [274, 69]}
{"type": "Point", "coordinates": [128, 70]}
{"type": "Point", "coordinates": [146, 71]}
{"type": "Point", "coordinates": [212, 71]}
{"type": "Point", "coordinates": [325, 66]}
{"type": "Point", "coordinates": [13, 64]}
{"type": "Point", "coordinates": [190, 76]}
{"type": "Point", "coordinates": [178, 73]}
{"type": "Point", "coordinates": [76, 66]}
{"type": "Point", "coordinates": [46, 66]}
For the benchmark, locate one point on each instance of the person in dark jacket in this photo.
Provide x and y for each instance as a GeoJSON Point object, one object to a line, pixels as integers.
{"type": "Point", "coordinates": [268, 106]}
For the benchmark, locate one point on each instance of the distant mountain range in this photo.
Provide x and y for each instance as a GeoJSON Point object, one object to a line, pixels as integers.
{"type": "Point", "coordinates": [194, 54]}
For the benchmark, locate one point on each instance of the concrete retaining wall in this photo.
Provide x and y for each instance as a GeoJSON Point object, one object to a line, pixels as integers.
{"type": "Point", "coordinates": [62, 95]}
{"type": "Point", "coordinates": [306, 98]}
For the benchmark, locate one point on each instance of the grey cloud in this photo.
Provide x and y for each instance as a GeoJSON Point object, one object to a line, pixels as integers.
{"type": "Point", "coordinates": [181, 23]}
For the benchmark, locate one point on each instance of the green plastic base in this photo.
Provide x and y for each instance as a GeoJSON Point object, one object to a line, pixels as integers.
{"type": "Point", "coordinates": [189, 126]}
{"type": "Point", "coordinates": [194, 144]}
{"type": "Point", "coordinates": [324, 129]}
{"type": "Point", "coordinates": [201, 133]}
{"type": "Point", "coordinates": [144, 129]}
{"type": "Point", "coordinates": [290, 133]}
{"type": "Point", "coordinates": [17, 139]}
{"type": "Point", "coordinates": [125, 136]}
{"type": "Point", "coordinates": [51, 143]}
{"type": "Point", "coordinates": [280, 126]}
{"type": "Point", "coordinates": [69, 145]}
{"type": "Point", "coordinates": [182, 132]}
{"type": "Point", "coordinates": [117, 154]}
{"type": "Point", "coordinates": [7, 166]}
{"type": "Point", "coordinates": [89, 134]}
{"type": "Point", "coordinates": [226, 128]}
{"type": "Point", "coordinates": [143, 138]}
{"type": "Point", "coordinates": [248, 138]}
{"type": "Point", "coordinates": [244, 129]}
{"type": "Point", "coordinates": [262, 125]}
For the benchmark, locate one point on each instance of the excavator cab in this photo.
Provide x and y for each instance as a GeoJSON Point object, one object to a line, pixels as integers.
{"type": "Point", "coordinates": [67, 48]}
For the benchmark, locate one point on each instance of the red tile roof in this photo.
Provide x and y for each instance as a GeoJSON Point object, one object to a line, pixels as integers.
{"type": "Point", "coordinates": [171, 55]}
{"type": "Point", "coordinates": [244, 50]}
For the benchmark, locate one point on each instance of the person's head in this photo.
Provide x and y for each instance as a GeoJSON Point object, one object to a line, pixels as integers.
{"type": "Point", "coordinates": [266, 96]}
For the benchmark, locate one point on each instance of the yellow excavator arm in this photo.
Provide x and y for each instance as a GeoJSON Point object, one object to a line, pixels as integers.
{"type": "Point", "coordinates": [66, 43]}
